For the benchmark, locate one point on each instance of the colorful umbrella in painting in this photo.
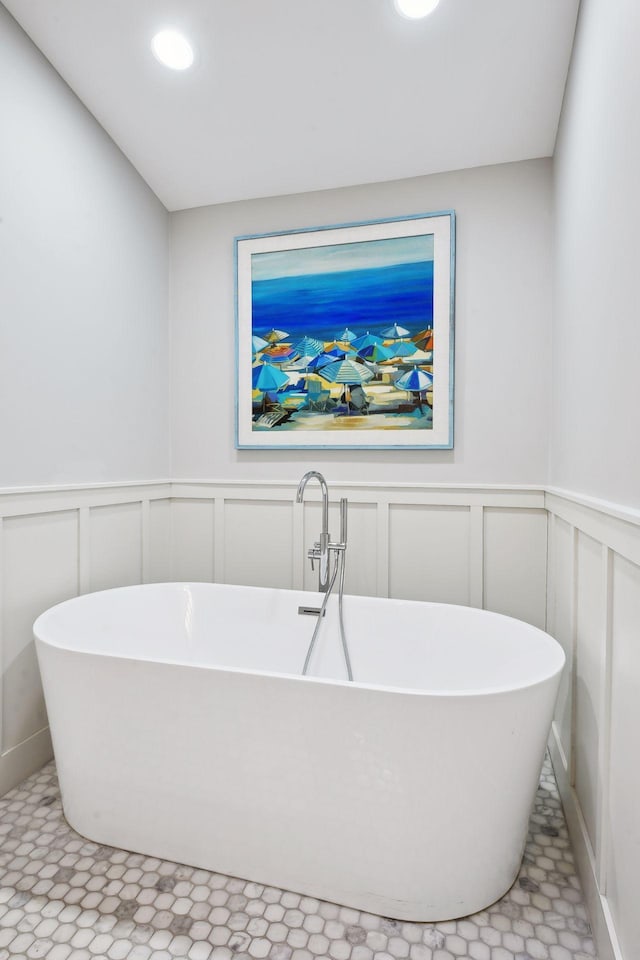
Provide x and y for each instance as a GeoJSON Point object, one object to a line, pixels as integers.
{"type": "Point", "coordinates": [343, 346]}
{"type": "Point", "coordinates": [320, 361]}
{"type": "Point", "coordinates": [268, 379]}
{"type": "Point", "coordinates": [417, 382]}
{"type": "Point", "coordinates": [265, 378]}
{"type": "Point", "coordinates": [258, 344]}
{"type": "Point", "coordinates": [424, 339]}
{"type": "Point", "coordinates": [336, 352]}
{"type": "Point", "coordinates": [309, 347]}
{"type": "Point", "coordinates": [346, 371]}
{"type": "Point", "coordinates": [418, 356]}
{"type": "Point", "coordinates": [368, 340]}
{"type": "Point", "coordinates": [395, 332]}
{"type": "Point", "coordinates": [279, 352]}
{"type": "Point", "coordinates": [347, 336]}
{"type": "Point", "coordinates": [403, 349]}
{"type": "Point", "coordinates": [274, 336]}
{"type": "Point", "coordinates": [377, 353]}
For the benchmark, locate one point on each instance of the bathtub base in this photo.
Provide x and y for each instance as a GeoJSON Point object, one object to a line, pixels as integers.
{"type": "Point", "coordinates": [414, 911]}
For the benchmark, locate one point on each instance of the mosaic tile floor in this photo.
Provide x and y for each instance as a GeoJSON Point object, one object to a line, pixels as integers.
{"type": "Point", "coordinates": [65, 898]}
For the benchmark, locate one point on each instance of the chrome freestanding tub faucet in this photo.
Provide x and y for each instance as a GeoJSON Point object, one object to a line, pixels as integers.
{"type": "Point", "coordinates": [320, 550]}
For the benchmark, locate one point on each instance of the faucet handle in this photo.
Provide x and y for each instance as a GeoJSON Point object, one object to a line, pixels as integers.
{"type": "Point", "coordinates": [314, 553]}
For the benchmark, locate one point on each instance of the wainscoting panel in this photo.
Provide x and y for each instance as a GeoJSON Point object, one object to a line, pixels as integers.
{"type": "Point", "coordinates": [562, 546]}
{"type": "Point", "coordinates": [623, 815]}
{"type": "Point", "coordinates": [515, 575]}
{"type": "Point", "coordinates": [405, 540]}
{"type": "Point", "coordinates": [589, 668]}
{"type": "Point", "coordinates": [157, 553]}
{"type": "Point", "coordinates": [361, 558]}
{"type": "Point", "coordinates": [497, 547]}
{"type": "Point", "coordinates": [54, 544]}
{"type": "Point", "coordinates": [258, 539]}
{"type": "Point", "coordinates": [362, 538]}
{"type": "Point", "coordinates": [115, 546]}
{"type": "Point", "coordinates": [192, 539]}
{"type": "Point", "coordinates": [594, 610]}
{"type": "Point", "coordinates": [40, 563]}
{"type": "Point", "coordinates": [429, 555]}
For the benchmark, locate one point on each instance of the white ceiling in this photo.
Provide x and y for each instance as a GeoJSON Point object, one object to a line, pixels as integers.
{"type": "Point", "coordinates": [296, 95]}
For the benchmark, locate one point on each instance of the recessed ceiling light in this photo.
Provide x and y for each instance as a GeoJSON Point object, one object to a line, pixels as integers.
{"type": "Point", "coordinates": [172, 49]}
{"type": "Point", "coordinates": [415, 9]}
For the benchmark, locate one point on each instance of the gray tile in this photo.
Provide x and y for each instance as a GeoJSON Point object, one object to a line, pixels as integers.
{"type": "Point", "coordinates": [65, 898]}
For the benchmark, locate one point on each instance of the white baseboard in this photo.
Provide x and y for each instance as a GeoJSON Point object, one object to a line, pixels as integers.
{"type": "Point", "coordinates": [24, 759]}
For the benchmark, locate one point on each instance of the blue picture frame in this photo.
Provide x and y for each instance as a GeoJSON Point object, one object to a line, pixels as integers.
{"type": "Point", "coordinates": [345, 335]}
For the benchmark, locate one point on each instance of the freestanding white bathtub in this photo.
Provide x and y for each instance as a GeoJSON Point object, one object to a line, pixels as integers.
{"type": "Point", "coordinates": [183, 729]}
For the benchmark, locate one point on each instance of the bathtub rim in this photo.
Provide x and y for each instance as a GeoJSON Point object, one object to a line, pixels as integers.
{"type": "Point", "coordinates": [330, 681]}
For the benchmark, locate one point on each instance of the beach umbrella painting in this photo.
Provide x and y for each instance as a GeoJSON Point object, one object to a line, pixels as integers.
{"type": "Point", "coordinates": [343, 346]}
{"type": "Point", "coordinates": [258, 344]}
{"type": "Point", "coordinates": [320, 361]}
{"type": "Point", "coordinates": [395, 332]}
{"type": "Point", "coordinates": [368, 340]}
{"type": "Point", "coordinates": [309, 347]}
{"type": "Point", "coordinates": [418, 356]}
{"type": "Point", "coordinates": [424, 339]}
{"type": "Point", "coordinates": [403, 349]}
{"type": "Point", "coordinates": [336, 352]}
{"type": "Point", "coordinates": [275, 336]}
{"type": "Point", "coordinates": [348, 372]}
{"type": "Point", "coordinates": [279, 352]}
{"type": "Point", "coordinates": [347, 336]}
{"type": "Point", "coordinates": [415, 381]}
{"type": "Point", "coordinates": [268, 379]}
{"type": "Point", "coordinates": [377, 353]}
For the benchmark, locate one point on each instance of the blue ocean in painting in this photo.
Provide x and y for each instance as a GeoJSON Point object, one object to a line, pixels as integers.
{"type": "Point", "coordinates": [323, 304]}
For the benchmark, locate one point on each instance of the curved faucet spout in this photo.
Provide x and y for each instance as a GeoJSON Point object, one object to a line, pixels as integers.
{"type": "Point", "coordinates": [320, 551]}
{"type": "Point", "coordinates": [315, 475]}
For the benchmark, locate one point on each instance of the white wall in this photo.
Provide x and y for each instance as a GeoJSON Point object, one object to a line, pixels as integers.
{"type": "Point", "coordinates": [83, 289]}
{"type": "Point", "coordinates": [594, 547]}
{"type": "Point", "coordinates": [503, 265]}
{"type": "Point", "coordinates": [595, 422]}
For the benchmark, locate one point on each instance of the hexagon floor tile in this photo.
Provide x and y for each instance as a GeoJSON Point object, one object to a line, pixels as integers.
{"type": "Point", "coordinates": [65, 898]}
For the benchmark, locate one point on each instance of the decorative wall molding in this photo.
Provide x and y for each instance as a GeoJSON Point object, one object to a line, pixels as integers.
{"type": "Point", "coordinates": [566, 562]}
{"type": "Point", "coordinates": [479, 509]}
{"type": "Point", "coordinates": [441, 542]}
{"type": "Point", "coordinates": [593, 610]}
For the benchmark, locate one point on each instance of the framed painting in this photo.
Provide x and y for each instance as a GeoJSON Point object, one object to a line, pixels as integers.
{"type": "Point", "coordinates": [344, 335]}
